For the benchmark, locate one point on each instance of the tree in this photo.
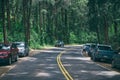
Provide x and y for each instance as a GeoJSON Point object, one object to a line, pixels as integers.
{"type": "Point", "coordinates": [26, 19]}
{"type": "Point", "coordinates": [3, 21]}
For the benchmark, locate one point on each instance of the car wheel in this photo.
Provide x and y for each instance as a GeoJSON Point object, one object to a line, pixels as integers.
{"type": "Point", "coordinates": [91, 58]}
{"type": "Point", "coordinates": [113, 64]}
{"type": "Point", "coordinates": [9, 61]}
{"type": "Point", "coordinates": [27, 53]}
{"type": "Point", "coordinates": [16, 59]}
{"type": "Point", "coordinates": [62, 45]}
{"type": "Point", "coordinates": [94, 59]}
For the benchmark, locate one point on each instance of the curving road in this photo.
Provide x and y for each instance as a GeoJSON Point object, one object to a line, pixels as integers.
{"type": "Point", "coordinates": [66, 63]}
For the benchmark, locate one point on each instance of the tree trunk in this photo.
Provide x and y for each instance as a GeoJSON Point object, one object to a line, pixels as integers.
{"type": "Point", "coordinates": [115, 28]}
{"type": "Point", "coordinates": [40, 23]}
{"type": "Point", "coordinates": [8, 15]}
{"type": "Point", "coordinates": [98, 36]}
{"type": "Point", "coordinates": [66, 27]}
{"type": "Point", "coordinates": [28, 21]}
{"type": "Point", "coordinates": [3, 22]}
{"type": "Point", "coordinates": [106, 30]}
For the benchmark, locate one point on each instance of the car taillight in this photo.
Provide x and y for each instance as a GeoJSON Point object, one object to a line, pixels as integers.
{"type": "Point", "coordinates": [97, 52]}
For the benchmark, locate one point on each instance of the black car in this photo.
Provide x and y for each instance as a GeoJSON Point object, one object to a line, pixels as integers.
{"type": "Point", "coordinates": [116, 60]}
{"type": "Point", "coordinates": [59, 43]}
{"type": "Point", "coordinates": [88, 48]}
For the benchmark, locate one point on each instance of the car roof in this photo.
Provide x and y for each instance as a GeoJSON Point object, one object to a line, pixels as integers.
{"type": "Point", "coordinates": [103, 45]}
{"type": "Point", "coordinates": [90, 44]}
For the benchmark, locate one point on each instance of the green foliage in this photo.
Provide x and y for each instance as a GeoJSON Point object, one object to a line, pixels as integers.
{"type": "Point", "coordinates": [73, 38]}
{"type": "Point", "coordinates": [73, 21]}
{"type": "Point", "coordinates": [83, 37]}
{"type": "Point", "coordinates": [1, 37]}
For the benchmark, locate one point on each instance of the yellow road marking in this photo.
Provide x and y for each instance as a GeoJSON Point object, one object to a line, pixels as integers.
{"type": "Point", "coordinates": [62, 68]}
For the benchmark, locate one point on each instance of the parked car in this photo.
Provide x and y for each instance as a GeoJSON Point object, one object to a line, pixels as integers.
{"type": "Point", "coordinates": [59, 43]}
{"type": "Point", "coordinates": [103, 52]}
{"type": "Point", "coordinates": [23, 50]}
{"type": "Point", "coordinates": [116, 60]}
{"type": "Point", "coordinates": [8, 53]}
{"type": "Point", "coordinates": [88, 48]}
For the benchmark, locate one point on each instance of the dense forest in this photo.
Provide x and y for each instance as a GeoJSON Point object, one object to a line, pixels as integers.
{"type": "Point", "coordinates": [42, 22]}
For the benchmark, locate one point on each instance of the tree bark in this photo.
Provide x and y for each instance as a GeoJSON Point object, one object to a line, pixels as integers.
{"type": "Point", "coordinates": [106, 30]}
{"type": "Point", "coordinates": [3, 22]}
{"type": "Point", "coordinates": [8, 15]}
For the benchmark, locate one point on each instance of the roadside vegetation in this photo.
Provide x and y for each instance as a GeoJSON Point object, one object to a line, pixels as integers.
{"type": "Point", "coordinates": [42, 22]}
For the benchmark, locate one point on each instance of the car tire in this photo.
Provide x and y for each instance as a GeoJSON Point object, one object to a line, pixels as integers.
{"type": "Point", "coordinates": [16, 59]}
{"type": "Point", "coordinates": [91, 58]}
{"type": "Point", "coordinates": [27, 54]}
{"type": "Point", "coordinates": [9, 61]}
{"type": "Point", "coordinates": [113, 64]}
{"type": "Point", "coordinates": [94, 58]}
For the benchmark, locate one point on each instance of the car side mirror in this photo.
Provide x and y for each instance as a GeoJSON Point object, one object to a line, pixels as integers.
{"type": "Point", "coordinates": [116, 52]}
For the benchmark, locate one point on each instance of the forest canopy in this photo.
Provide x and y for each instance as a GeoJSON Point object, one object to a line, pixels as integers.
{"type": "Point", "coordinates": [42, 22]}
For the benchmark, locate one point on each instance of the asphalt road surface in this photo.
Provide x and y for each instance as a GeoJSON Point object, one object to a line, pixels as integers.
{"type": "Point", "coordinates": [66, 63]}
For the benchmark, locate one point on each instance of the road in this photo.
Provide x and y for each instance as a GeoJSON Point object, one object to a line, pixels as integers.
{"type": "Point", "coordinates": [66, 63]}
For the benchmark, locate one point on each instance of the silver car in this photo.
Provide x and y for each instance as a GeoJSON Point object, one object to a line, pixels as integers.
{"type": "Point", "coordinates": [23, 50]}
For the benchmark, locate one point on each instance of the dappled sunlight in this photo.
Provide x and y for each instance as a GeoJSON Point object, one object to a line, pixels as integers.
{"type": "Point", "coordinates": [48, 59]}
{"type": "Point", "coordinates": [108, 73]}
{"type": "Point", "coordinates": [102, 73]}
{"type": "Point", "coordinates": [48, 51]}
{"type": "Point", "coordinates": [49, 67]}
{"type": "Point", "coordinates": [18, 73]}
{"type": "Point", "coordinates": [78, 58]}
{"type": "Point", "coordinates": [60, 48]}
{"type": "Point", "coordinates": [43, 66]}
{"type": "Point", "coordinates": [56, 72]}
{"type": "Point", "coordinates": [99, 75]}
{"type": "Point", "coordinates": [67, 65]}
{"type": "Point", "coordinates": [29, 59]}
{"type": "Point", "coordinates": [43, 74]}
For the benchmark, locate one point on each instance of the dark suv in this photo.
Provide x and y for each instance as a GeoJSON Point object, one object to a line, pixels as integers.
{"type": "Point", "coordinates": [103, 52]}
{"type": "Point", "coordinates": [89, 48]}
{"type": "Point", "coordinates": [8, 53]}
{"type": "Point", "coordinates": [59, 43]}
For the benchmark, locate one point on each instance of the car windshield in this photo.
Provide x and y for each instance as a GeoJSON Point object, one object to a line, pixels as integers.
{"type": "Point", "coordinates": [22, 45]}
{"type": "Point", "coordinates": [87, 46]}
{"type": "Point", "coordinates": [104, 48]}
{"type": "Point", "coordinates": [4, 47]}
{"type": "Point", "coordinates": [59, 41]}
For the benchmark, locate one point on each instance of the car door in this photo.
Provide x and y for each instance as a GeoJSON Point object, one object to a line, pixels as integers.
{"type": "Point", "coordinates": [14, 51]}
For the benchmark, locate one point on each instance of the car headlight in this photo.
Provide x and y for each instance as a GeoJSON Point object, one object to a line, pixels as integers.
{"type": "Point", "coordinates": [21, 49]}
{"type": "Point", "coordinates": [4, 55]}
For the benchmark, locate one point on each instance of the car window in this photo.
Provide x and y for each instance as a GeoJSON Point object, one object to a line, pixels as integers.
{"type": "Point", "coordinates": [4, 47]}
{"type": "Point", "coordinates": [104, 48]}
{"type": "Point", "coordinates": [14, 46]}
{"type": "Point", "coordinates": [20, 45]}
{"type": "Point", "coordinates": [87, 46]}
{"type": "Point", "coordinates": [93, 46]}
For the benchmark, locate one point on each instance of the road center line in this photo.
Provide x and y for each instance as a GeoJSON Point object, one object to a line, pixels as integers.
{"type": "Point", "coordinates": [62, 68]}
